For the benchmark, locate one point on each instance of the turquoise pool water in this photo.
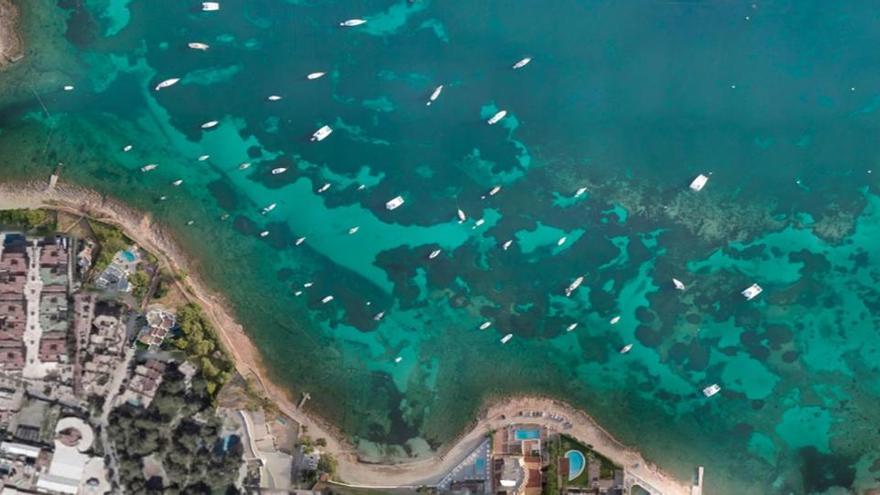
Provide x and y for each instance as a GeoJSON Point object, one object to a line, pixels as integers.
{"type": "Point", "coordinates": [128, 256]}
{"type": "Point", "coordinates": [576, 463]}
{"type": "Point", "coordinates": [530, 434]}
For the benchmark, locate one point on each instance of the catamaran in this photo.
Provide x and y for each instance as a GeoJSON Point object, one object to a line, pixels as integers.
{"type": "Point", "coordinates": [394, 203]}
{"type": "Point", "coordinates": [574, 285]}
{"type": "Point", "coordinates": [147, 168]}
{"type": "Point", "coordinates": [127, 148]}
{"type": "Point", "coordinates": [712, 390]}
{"type": "Point", "coordinates": [210, 6]}
{"type": "Point", "coordinates": [198, 46]}
{"type": "Point", "coordinates": [353, 230]}
{"type": "Point", "coordinates": [324, 187]}
{"type": "Point", "coordinates": [322, 133]}
{"type": "Point", "coordinates": [209, 124]}
{"type": "Point", "coordinates": [522, 63]}
{"type": "Point", "coordinates": [699, 182]}
{"type": "Point", "coordinates": [274, 98]}
{"type": "Point", "coordinates": [177, 182]}
{"type": "Point", "coordinates": [497, 117]}
{"type": "Point", "coordinates": [244, 166]}
{"type": "Point", "coordinates": [269, 208]}
{"type": "Point", "coordinates": [485, 325]}
{"type": "Point", "coordinates": [167, 83]}
{"type": "Point", "coordinates": [461, 216]}
{"type": "Point", "coordinates": [299, 241]}
{"type": "Point", "coordinates": [615, 320]}
{"type": "Point", "coordinates": [752, 292]}
{"type": "Point", "coordinates": [625, 349]}
{"type": "Point", "coordinates": [434, 254]}
{"type": "Point", "coordinates": [279, 170]}
{"type": "Point", "coordinates": [506, 244]}
{"type": "Point", "coordinates": [679, 285]}
{"type": "Point", "coordinates": [506, 338]}
{"type": "Point", "coordinates": [434, 95]}
{"type": "Point", "coordinates": [353, 22]}
{"type": "Point", "coordinates": [315, 75]}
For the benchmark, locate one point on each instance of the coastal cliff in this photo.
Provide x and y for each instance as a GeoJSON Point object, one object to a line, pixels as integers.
{"type": "Point", "coordinates": [11, 44]}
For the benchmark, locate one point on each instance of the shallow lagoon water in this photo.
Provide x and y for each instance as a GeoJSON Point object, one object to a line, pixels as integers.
{"type": "Point", "coordinates": [628, 99]}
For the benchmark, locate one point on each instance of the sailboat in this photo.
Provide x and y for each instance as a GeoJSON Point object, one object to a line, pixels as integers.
{"type": "Point", "coordinates": [435, 95]}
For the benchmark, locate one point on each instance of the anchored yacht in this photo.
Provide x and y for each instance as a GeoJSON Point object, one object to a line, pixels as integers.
{"type": "Point", "coordinates": [506, 338]}
{"type": "Point", "coordinates": [269, 208]}
{"type": "Point", "coordinates": [204, 157]}
{"type": "Point", "coordinates": [679, 285]}
{"type": "Point", "coordinates": [394, 203]}
{"type": "Point", "coordinates": [244, 166]}
{"type": "Point", "coordinates": [494, 190]}
{"type": "Point", "coordinates": [378, 316]}
{"type": "Point", "coordinates": [167, 83]}
{"type": "Point", "coordinates": [699, 182]}
{"type": "Point", "coordinates": [434, 254]}
{"type": "Point", "coordinates": [752, 292]}
{"type": "Point", "coordinates": [198, 46]}
{"type": "Point", "coordinates": [571, 327]}
{"type": "Point", "coordinates": [177, 182]}
{"type": "Point", "coordinates": [435, 95]}
{"type": "Point", "coordinates": [625, 349]}
{"type": "Point", "coordinates": [478, 223]}
{"type": "Point", "coordinates": [522, 63]}
{"type": "Point", "coordinates": [274, 98]}
{"type": "Point", "coordinates": [353, 230]}
{"type": "Point", "coordinates": [497, 117]}
{"type": "Point", "coordinates": [574, 285]}
{"type": "Point", "coordinates": [507, 244]}
{"type": "Point", "coordinates": [315, 75]}
{"type": "Point", "coordinates": [210, 124]}
{"type": "Point", "coordinates": [324, 187]}
{"type": "Point", "coordinates": [264, 233]}
{"type": "Point", "coordinates": [326, 299]}
{"type": "Point", "coordinates": [615, 320]}
{"type": "Point", "coordinates": [461, 216]}
{"type": "Point", "coordinates": [398, 359]}
{"type": "Point", "coordinates": [147, 168]}
{"type": "Point", "coordinates": [485, 325]}
{"type": "Point", "coordinates": [127, 148]}
{"type": "Point", "coordinates": [353, 22]}
{"type": "Point", "coordinates": [322, 133]}
{"type": "Point", "coordinates": [279, 170]}
{"type": "Point", "coordinates": [561, 240]}
{"type": "Point", "coordinates": [712, 390]}
{"type": "Point", "coordinates": [68, 88]}
{"type": "Point", "coordinates": [299, 241]}
{"type": "Point", "coordinates": [580, 192]}
{"type": "Point", "coordinates": [210, 6]}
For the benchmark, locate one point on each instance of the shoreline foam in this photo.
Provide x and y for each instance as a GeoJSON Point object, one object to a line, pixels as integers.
{"type": "Point", "coordinates": [494, 414]}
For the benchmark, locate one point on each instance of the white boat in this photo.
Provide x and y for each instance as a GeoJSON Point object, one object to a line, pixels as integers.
{"type": "Point", "coordinates": [195, 45]}
{"type": "Point", "coordinates": [353, 230]}
{"type": "Point", "coordinates": [571, 327]}
{"type": "Point", "coordinates": [274, 97]}
{"type": "Point", "coordinates": [315, 75]}
{"type": "Point", "coordinates": [506, 338]}
{"type": "Point", "coordinates": [209, 124]}
{"type": "Point", "coordinates": [712, 390]}
{"type": "Point", "coordinates": [522, 63]}
{"type": "Point", "coordinates": [308, 284]}
{"type": "Point", "coordinates": [679, 285]}
{"type": "Point", "coordinates": [435, 95]}
{"type": "Point", "coordinates": [269, 208]}
{"type": "Point", "coordinates": [361, 187]}
{"type": "Point", "coordinates": [324, 187]}
{"type": "Point", "coordinates": [580, 192]}
{"type": "Point", "coordinates": [322, 133]}
{"type": "Point", "coordinates": [352, 22]}
{"type": "Point", "coordinates": [561, 241]}
{"type": "Point", "coordinates": [177, 182]}
{"type": "Point", "coordinates": [189, 222]}
{"type": "Point", "coordinates": [210, 6]}
{"type": "Point", "coordinates": [264, 233]}
{"type": "Point", "coordinates": [625, 349]}
{"type": "Point", "coordinates": [69, 88]}
{"type": "Point", "coordinates": [163, 198]}
{"type": "Point", "coordinates": [752, 292]}
{"type": "Point", "coordinates": [244, 166]}
{"type": "Point", "coordinates": [299, 241]}
{"type": "Point", "coordinates": [204, 157]}
{"type": "Point", "coordinates": [279, 170]}
{"type": "Point", "coordinates": [615, 320]}
{"type": "Point", "coordinates": [394, 203]}
{"type": "Point", "coordinates": [574, 285]}
{"type": "Point", "coordinates": [478, 223]}
{"type": "Point", "coordinates": [699, 182]}
{"type": "Point", "coordinates": [326, 299]}
{"type": "Point", "coordinates": [378, 316]}
{"type": "Point", "coordinates": [167, 83]}
{"type": "Point", "coordinates": [434, 254]}
{"type": "Point", "coordinates": [398, 359]}
{"type": "Point", "coordinates": [485, 325]}
{"type": "Point", "coordinates": [461, 216]}
{"type": "Point", "coordinates": [497, 117]}
{"type": "Point", "coordinates": [506, 244]}
{"type": "Point", "coordinates": [494, 190]}
{"type": "Point", "coordinates": [147, 168]}
{"type": "Point", "coordinates": [298, 293]}
{"type": "Point", "coordinates": [127, 148]}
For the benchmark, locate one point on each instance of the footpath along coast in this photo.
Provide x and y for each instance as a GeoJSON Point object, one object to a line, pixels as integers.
{"type": "Point", "coordinates": [141, 228]}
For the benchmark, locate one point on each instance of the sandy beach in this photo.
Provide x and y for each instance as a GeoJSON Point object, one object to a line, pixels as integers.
{"type": "Point", "coordinates": [141, 228]}
{"type": "Point", "coordinates": [11, 45]}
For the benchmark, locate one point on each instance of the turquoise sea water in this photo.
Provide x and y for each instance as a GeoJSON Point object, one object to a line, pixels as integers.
{"type": "Point", "coordinates": [630, 99]}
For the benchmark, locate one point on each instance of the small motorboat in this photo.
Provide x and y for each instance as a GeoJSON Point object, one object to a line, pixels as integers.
{"type": "Point", "coordinates": [434, 254]}
{"type": "Point", "coordinates": [506, 338]}
{"type": "Point", "coordinates": [210, 124]}
{"type": "Point", "coordinates": [204, 157]}
{"type": "Point", "coordinates": [398, 359]}
{"type": "Point", "coordinates": [198, 46]}
{"type": "Point", "coordinates": [308, 284]}
{"type": "Point", "coordinates": [522, 63]}
{"type": "Point", "coordinates": [353, 22]}
{"type": "Point", "coordinates": [678, 284]}
{"type": "Point", "coordinates": [485, 325]}
{"type": "Point", "coordinates": [434, 95]}
{"type": "Point", "coordinates": [279, 170]}
{"type": "Point", "coordinates": [269, 208]}
{"type": "Point", "coordinates": [580, 192]}
{"type": "Point", "coordinates": [274, 98]}
{"type": "Point", "coordinates": [497, 117]}
{"type": "Point", "coordinates": [299, 241]}
{"type": "Point", "coordinates": [711, 390]}
{"type": "Point", "coordinates": [461, 216]}
{"type": "Point", "coordinates": [752, 292]}
{"type": "Point", "coordinates": [378, 316]}
{"type": "Point", "coordinates": [625, 349]}
{"type": "Point", "coordinates": [495, 190]}
{"type": "Point", "coordinates": [571, 327]}
{"type": "Point", "coordinates": [68, 88]}
{"type": "Point", "coordinates": [210, 6]}
{"type": "Point", "coordinates": [244, 166]}
{"type": "Point", "coordinates": [315, 75]}
{"type": "Point", "coordinates": [478, 223]}
{"type": "Point", "coordinates": [615, 320]}
{"type": "Point", "coordinates": [394, 203]}
{"type": "Point", "coordinates": [177, 182]}
{"type": "Point", "coordinates": [699, 182]}
{"type": "Point", "coordinates": [147, 168]}
{"type": "Point", "coordinates": [298, 293]}
{"type": "Point", "coordinates": [561, 240]}
{"type": "Point", "coordinates": [321, 133]}
{"type": "Point", "coordinates": [127, 148]}
{"type": "Point", "coordinates": [167, 83]}
{"type": "Point", "coordinates": [264, 233]}
{"type": "Point", "coordinates": [573, 286]}
{"type": "Point", "coordinates": [324, 187]}
{"type": "Point", "coordinates": [353, 230]}
{"type": "Point", "coordinates": [507, 244]}
{"type": "Point", "coordinates": [326, 299]}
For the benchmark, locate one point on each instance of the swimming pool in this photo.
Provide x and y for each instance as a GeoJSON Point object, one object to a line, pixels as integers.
{"type": "Point", "coordinates": [576, 463]}
{"type": "Point", "coordinates": [527, 434]}
{"type": "Point", "coordinates": [128, 256]}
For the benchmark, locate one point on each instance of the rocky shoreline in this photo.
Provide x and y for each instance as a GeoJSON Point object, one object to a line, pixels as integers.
{"type": "Point", "coordinates": [11, 43]}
